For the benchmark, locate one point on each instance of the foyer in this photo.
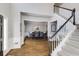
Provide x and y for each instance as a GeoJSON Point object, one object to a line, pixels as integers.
{"type": "Point", "coordinates": [31, 47]}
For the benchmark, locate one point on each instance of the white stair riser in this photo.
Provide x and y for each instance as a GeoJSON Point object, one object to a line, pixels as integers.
{"type": "Point", "coordinates": [74, 39]}
{"type": "Point", "coordinates": [75, 34]}
{"type": "Point", "coordinates": [64, 53]}
{"type": "Point", "coordinates": [72, 43]}
{"type": "Point", "coordinates": [71, 50]}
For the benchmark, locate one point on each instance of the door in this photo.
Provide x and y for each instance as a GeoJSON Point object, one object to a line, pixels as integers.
{"type": "Point", "coordinates": [1, 35]}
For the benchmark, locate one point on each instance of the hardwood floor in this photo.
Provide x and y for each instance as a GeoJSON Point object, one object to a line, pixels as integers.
{"type": "Point", "coordinates": [32, 47]}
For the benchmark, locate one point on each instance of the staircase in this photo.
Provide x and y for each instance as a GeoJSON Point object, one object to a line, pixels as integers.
{"type": "Point", "coordinates": [71, 46]}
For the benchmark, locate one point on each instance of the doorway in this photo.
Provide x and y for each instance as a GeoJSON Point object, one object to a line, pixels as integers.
{"type": "Point", "coordinates": [36, 45]}
{"type": "Point", "coordinates": [1, 35]}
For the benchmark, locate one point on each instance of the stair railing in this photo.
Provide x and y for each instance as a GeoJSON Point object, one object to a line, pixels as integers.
{"type": "Point", "coordinates": [55, 42]}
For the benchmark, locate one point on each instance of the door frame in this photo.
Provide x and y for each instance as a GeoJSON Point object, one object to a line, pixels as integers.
{"type": "Point", "coordinates": [2, 34]}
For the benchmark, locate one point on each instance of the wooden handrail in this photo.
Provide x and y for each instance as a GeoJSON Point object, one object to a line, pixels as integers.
{"type": "Point", "coordinates": [73, 13]}
{"type": "Point", "coordinates": [63, 8]}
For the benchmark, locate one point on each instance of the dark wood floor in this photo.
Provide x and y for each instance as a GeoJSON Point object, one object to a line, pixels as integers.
{"type": "Point", "coordinates": [32, 47]}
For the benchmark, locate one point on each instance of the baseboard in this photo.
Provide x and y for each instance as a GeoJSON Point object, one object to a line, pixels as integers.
{"type": "Point", "coordinates": [6, 52]}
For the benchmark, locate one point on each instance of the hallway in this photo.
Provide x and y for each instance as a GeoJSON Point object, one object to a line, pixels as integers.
{"type": "Point", "coordinates": [32, 47]}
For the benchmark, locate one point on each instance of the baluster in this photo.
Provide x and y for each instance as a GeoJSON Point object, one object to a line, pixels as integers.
{"type": "Point", "coordinates": [53, 45]}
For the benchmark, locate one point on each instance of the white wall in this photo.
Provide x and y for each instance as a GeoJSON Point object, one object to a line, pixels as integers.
{"type": "Point", "coordinates": [66, 29]}
{"type": "Point", "coordinates": [11, 12]}
{"type": "Point", "coordinates": [70, 6]}
{"type": "Point", "coordinates": [29, 26]}
{"type": "Point", "coordinates": [50, 33]}
{"type": "Point", "coordinates": [5, 12]}
{"type": "Point", "coordinates": [42, 9]}
{"type": "Point", "coordinates": [60, 21]}
{"type": "Point", "coordinates": [35, 8]}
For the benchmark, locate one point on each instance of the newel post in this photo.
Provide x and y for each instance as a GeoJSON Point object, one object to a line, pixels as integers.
{"type": "Point", "coordinates": [73, 13]}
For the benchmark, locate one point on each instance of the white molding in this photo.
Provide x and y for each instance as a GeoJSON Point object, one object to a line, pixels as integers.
{"type": "Point", "coordinates": [6, 51]}
{"type": "Point", "coordinates": [8, 48]}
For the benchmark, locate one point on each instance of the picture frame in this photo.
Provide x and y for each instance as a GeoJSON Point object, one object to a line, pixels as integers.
{"type": "Point", "coordinates": [53, 26]}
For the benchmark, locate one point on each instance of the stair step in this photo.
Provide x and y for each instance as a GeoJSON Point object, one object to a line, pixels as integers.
{"type": "Point", "coordinates": [75, 34]}
{"type": "Point", "coordinates": [77, 25]}
{"type": "Point", "coordinates": [61, 53]}
{"type": "Point", "coordinates": [71, 50]}
{"type": "Point", "coordinates": [64, 53]}
{"type": "Point", "coordinates": [77, 30]}
{"type": "Point", "coordinates": [71, 47]}
{"type": "Point", "coordinates": [75, 44]}
{"type": "Point", "coordinates": [74, 39]}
